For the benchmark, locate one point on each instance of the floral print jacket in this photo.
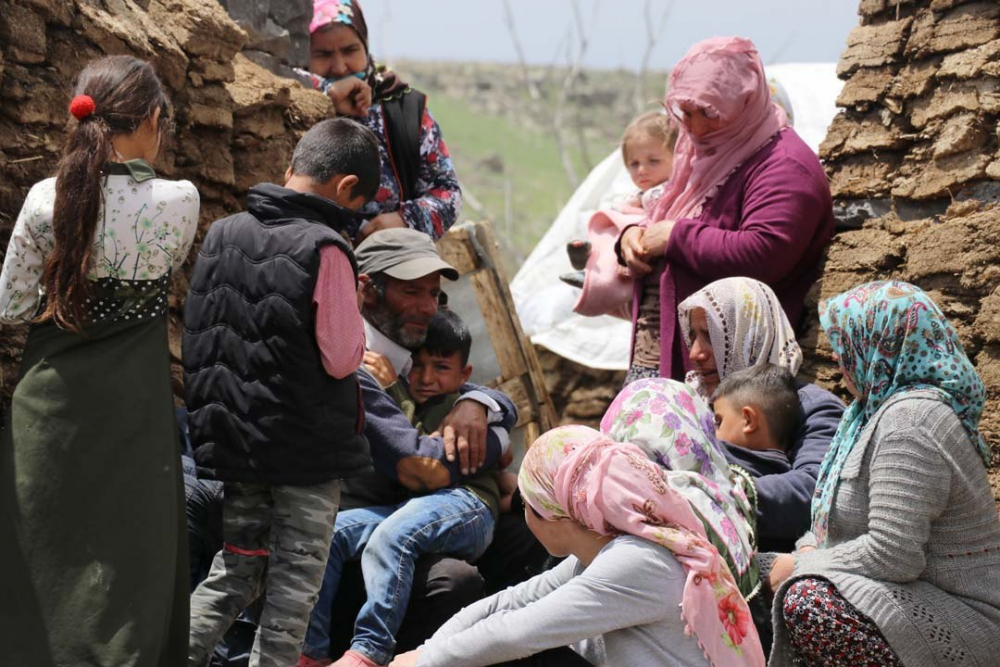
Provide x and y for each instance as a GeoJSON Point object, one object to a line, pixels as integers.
{"type": "Point", "coordinates": [145, 231]}
{"type": "Point", "coordinates": [437, 207]}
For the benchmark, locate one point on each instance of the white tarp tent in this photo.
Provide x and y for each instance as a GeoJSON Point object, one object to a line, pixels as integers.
{"type": "Point", "coordinates": [545, 303]}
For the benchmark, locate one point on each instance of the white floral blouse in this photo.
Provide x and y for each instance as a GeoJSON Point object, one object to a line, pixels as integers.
{"type": "Point", "coordinates": [144, 232]}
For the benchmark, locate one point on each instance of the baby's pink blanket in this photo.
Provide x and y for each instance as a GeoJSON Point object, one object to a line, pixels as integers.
{"type": "Point", "coordinates": [607, 288]}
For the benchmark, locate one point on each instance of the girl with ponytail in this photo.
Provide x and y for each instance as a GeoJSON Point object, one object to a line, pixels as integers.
{"type": "Point", "coordinates": [90, 487]}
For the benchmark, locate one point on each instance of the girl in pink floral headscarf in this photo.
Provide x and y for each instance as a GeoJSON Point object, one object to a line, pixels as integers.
{"type": "Point", "coordinates": [642, 586]}
{"type": "Point", "coordinates": [747, 198]}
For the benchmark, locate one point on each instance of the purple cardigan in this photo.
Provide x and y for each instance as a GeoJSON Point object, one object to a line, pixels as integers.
{"type": "Point", "coordinates": [770, 221]}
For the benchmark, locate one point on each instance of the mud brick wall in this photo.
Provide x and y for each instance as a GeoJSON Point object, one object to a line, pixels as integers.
{"type": "Point", "coordinates": [237, 123]}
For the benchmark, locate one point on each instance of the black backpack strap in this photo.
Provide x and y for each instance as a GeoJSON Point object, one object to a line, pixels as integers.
{"type": "Point", "coordinates": [403, 116]}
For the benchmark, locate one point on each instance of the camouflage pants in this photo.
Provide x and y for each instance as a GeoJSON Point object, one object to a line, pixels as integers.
{"type": "Point", "coordinates": [278, 536]}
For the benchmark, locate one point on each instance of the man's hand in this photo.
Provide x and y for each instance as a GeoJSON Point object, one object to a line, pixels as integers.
{"type": "Point", "coordinates": [408, 659]}
{"type": "Point", "coordinates": [633, 251]}
{"type": "Point", "coordinates": [384, 221]}
{"type": "Point", "coordinates": [380, 368]}
{"type": "Point", "coordinates": [464, 431]}
{"type": "Point", "coordinates": [351, 97]}
{"type": "Point", "coordinates": [655, 240]}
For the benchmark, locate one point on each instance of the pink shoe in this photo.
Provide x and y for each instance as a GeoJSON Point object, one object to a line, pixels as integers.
{"type": "Point", "coordinates": [306, 661]}
{"type": "Point", "coordinates": [355, 659]}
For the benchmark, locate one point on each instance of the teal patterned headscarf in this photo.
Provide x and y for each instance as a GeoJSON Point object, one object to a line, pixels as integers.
{"type": "Point", "coordinates": [891, 338]}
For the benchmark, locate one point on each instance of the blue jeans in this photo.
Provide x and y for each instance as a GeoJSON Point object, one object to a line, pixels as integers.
{"type": "Point", "coordinates": [388, 540]}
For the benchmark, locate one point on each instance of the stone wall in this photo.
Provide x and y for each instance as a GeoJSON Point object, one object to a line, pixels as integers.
{"type": "Point", "coordinates": [236, 122]}
{"type": "Point", "coordinates": [914, 163]}
{"type": "Point", "coordinates": [277, 31]}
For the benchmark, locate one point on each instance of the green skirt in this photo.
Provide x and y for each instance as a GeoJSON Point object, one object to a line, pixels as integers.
{"type": "Point", "coordinates": [93, 566]}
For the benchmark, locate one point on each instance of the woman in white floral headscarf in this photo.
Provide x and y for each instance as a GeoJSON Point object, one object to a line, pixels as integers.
{"type": "Point", "coordinates": [736, 323]}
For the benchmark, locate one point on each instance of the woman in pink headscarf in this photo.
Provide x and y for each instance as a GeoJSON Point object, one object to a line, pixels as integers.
{"type": "Point", "coordinates": [642, 584]}
{"type": "Point", "coordinates": [747, 198]}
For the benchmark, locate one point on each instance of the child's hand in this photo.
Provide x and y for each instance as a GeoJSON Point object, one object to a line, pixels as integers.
{"type": "Point", "coordinates": [384, 221]}
{"type": "Point", "coordinates": [508, 485]}
{"type": "Point", "coordinates": [380, 368]}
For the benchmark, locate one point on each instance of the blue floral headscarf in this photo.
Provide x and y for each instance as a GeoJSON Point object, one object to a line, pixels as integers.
{"type": "Point", "coordinates": [891, 338]}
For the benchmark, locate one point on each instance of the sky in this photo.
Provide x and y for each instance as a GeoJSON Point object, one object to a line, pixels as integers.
{"type": "Point", "coordinates": [784, 31]}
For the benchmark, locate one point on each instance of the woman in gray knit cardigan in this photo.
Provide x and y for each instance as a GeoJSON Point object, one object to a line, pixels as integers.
{"type": "Point", "coordinates": [902, 565]}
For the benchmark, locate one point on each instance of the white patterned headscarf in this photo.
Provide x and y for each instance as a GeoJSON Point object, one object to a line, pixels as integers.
{"type": "Point", "coordinates": [747, 326]}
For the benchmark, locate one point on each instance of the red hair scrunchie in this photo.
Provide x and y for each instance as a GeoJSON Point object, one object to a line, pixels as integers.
{"type": "Point", "coordinates": [82, 106]}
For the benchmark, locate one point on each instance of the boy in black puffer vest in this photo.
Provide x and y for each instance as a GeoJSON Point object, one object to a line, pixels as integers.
{"type": "Point", "coordinates": [272, 337]}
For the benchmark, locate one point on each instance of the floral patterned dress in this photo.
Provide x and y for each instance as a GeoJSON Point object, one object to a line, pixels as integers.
{"type": "Point", "coordinates": [92, 496]}
{"type": "Point", "coordinates": [437, 207]}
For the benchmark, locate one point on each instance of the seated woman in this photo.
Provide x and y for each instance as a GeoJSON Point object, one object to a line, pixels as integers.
{"type": "Point", "coordinates": [668, 421]}
{"type": "Point", "coordinates": [747, 198]}
{"type": "Point", "coordinates": [902, 566]}
{"type": "Point", "coordinates": [419, 188]}
{"type": "Point", "coordinates": [636, 552]}
{"type": "Point", "coordinates": [736, 323]}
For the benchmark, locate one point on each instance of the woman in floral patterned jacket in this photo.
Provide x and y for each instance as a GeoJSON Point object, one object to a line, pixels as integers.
{"type": "Point", "coordinates": [419, 188]}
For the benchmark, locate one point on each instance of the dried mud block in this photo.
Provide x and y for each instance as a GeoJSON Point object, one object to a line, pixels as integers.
{"type": "Point", "coordinates": [59, 12]}
{"type": "Point", "coordinates": [966, 26]}
{"type": "Point", "coordinates": [922, 179]}
{"type": "Point", "coordinates": [946, 100]}
{"type": "Point", "coordinates": [201, 28]}
{"type": "Point", "coordinates": [987, 325]}
{"type": "Point", "coordinates": [968, 248]}
{"type": "Point", "coordinates": [860, 177]}
{"type": "Point", "coordinates": [873, 46]}
{"type": "Point", "coordinates": [847, 136]}
{"type": "Point", "coordinates": [260, 161]}
{"type": "Point", "coordinates": [960, 133]}
{"type": "Point", "coordinates": [915, 78]}
{"type": "Point", "coordinates": [210, 106]}
{"type": "Point", "coordinates": [866, 86]}
{"type": "Point", "coordinates": [864, 250]}
{"type": "Point", "coordinates": [983, 60]}
{"type": "Point", "coordinates": [22, 33]}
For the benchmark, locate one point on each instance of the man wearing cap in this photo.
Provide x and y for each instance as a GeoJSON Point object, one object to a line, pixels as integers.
{"type": "Point", "coordinates": [403, 272]}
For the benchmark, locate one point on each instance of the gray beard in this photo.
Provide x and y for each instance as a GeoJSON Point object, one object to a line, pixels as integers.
{"type": "Point", "coordinates": [391, 324]}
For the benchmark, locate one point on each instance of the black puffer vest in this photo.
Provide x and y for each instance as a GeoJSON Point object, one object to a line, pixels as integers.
{"type": "Point", "coordinates": [261, 407]}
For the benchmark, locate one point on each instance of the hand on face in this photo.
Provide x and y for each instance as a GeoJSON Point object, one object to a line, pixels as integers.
{"type": "Point", "coordinates": [351, 97]}
{"type": "Point", "coordinates": [337, 52]}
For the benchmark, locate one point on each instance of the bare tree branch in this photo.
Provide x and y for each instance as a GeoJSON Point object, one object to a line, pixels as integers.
{"type": "Point", "coordinates": [652, 37]}
{"type": "Point", "coordinates": [508, 19]}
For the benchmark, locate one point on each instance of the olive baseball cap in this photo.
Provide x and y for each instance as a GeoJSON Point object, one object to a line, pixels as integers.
{"type": "Point", "coordinates": [402, 253]}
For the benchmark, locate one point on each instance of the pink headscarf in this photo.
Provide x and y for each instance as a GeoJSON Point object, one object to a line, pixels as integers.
{"type": "Point", "coordinates": [613, 488]}
{"type": "Point", "coordinates": [723, 76]}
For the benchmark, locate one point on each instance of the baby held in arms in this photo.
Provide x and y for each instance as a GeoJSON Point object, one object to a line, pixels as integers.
{"type": "Point", "coordinates": [648, 153]}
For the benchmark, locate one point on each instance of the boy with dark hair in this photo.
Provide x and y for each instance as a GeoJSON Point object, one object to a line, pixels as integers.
{"type": "Point", "coordinates": [273, 335]}
{"type": "Point", "coordinates": [456, 521]}
{"type": "Point", "coordinates": [758, 409]}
